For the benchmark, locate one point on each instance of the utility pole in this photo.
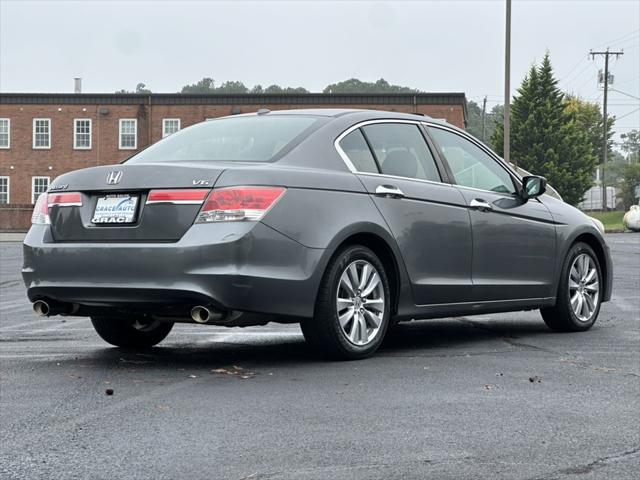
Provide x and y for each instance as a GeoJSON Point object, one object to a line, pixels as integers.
{"type": "Point", "coordinates": [605, 145]}
{"type": "Point", "coordinates": [484, 111]}
{"type": "Point", "coordinates": [507, 83]}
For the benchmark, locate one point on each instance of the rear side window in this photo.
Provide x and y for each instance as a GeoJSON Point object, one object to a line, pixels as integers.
{"type": "Point", "coordinates": [257, 138]}
{"type": "Point", "coordinates": [402, 151]}
{"type": "Point", "coordinates": [355, 147]}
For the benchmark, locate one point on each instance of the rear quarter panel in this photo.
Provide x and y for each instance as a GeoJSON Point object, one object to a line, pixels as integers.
{"type": "Point", "coordinates": [322, 209]}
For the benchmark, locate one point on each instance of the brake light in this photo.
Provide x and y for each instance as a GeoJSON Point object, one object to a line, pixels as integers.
{"type": "Point", "coordinates": [193, 196]}
{"type": "Point", "coordinates": [66, 199]}
{"type": "Point", "coordinates": [40, 214]}
{"type": "Point", "coordinates": [233, 204]}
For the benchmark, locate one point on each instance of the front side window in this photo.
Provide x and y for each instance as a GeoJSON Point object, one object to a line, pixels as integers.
{"type": "Point", "coordinates": [471, 166]}
{"type": "Point", "coordinates": [41, 133]}
{"type": "Point", "coordinates": [38, 185]}
{"type": "Point", "coordinates": [169, 126]}
{"type": "Point", "coordinates": [82, 134]}
{"type": "Point", "coordinates": [402, 151]}
{"type": "Point", "coordinates": [5, 133]}
{"type": "Point", "coordinates": [128, 134]}
{"type": "Point", "coordinates": [4, 189]}
{"type": "Point", "coordinates": [254, 138]}
{"type": "Point", "coordinates": [356, 149]}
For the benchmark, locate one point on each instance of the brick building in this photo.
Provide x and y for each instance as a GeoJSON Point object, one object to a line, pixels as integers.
{"type": "Point", "coordinates": [45, 135]}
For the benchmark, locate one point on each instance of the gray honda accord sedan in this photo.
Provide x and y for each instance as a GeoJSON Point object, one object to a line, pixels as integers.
{"type": "Point", "coordinates": [345, 221]}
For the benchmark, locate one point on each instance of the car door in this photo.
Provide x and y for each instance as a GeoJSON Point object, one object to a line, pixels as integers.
{"type": "Point", "coordinates": [514, 241]}
{"type": "Point", "coordinates": [427, 217]}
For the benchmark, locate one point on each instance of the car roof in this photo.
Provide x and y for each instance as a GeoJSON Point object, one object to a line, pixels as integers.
{"type": "Point", "coordinates": [341, 112]}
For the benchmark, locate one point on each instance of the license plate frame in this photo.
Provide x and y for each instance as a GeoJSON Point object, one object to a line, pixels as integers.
{"type": "Point", "coordinates": [115, 209]}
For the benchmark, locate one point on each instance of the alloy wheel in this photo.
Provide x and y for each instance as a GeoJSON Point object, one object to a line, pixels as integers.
{"type": "Point", "coordinates": [360, 302]}
{"type": "Point", "coordinates": [584, 287]}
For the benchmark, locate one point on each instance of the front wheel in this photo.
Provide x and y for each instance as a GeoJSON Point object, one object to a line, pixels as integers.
{"type": "Point", "coordinates": [353, 306]}
{"type": "Point", "coordinates": [579, 292]}
{"type": "Point", "coordinates": [131, 332]}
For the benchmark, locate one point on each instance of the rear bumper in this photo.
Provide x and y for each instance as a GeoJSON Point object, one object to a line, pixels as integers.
{"type": "Point", "coordinates": [243, 266]}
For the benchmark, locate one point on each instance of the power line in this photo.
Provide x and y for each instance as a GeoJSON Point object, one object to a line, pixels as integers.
{"type": "Point", "coordinates": [575, 77]}
{"type": "Point", "coordinates": [616, 40]}
{"type": "Point", "coordinates": [623, 93]}
{"type": "Point", "coordinates": [562, 79]}
{"type": "Point", "coordinates": [627, 114]}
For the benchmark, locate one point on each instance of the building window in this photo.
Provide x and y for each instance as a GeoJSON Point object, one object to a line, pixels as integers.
{"type": "Point", "coordinates": [82, 134]}
{"type": "Point", "coordinates": [5, 133]}
{"type": "Point", "coordinates": [169, 126]}
{"type": "Point", "coordinates": [4, 189]}
{"type": "Point", "coordinates": [38, 185]}
{"type": "Point", "coordinates": [41, 133]}
{"type": "Point", "coordinates": [128, 134]}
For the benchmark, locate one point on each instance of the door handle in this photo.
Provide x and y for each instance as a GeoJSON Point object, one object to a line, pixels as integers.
{"type": "Point", "coordinates": [389, 191]}
{"type": "Point", "coordinates": [480, 204]}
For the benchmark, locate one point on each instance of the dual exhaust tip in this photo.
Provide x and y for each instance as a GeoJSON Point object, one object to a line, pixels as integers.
{"type": "Point", "coordinates": [202, 314]}
{"type": "Point", "coordinates": [45, 308]}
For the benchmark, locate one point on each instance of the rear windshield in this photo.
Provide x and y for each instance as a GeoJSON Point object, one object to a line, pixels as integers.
{"type": "Point", "coordinates": [258, 138]}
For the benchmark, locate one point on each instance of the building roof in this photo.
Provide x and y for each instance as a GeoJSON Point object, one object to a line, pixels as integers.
{"type": "Point", "coordinates": [235, 99]}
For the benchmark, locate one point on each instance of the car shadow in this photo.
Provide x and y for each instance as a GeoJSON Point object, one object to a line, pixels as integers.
{"type": "Point", "coordinates": [406, 339]}
{"type": "Point", "coordinates": [458, 333]}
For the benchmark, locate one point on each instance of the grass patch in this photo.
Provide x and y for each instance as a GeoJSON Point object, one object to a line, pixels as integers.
{"type": "Point", "coordinates": [611, 220]}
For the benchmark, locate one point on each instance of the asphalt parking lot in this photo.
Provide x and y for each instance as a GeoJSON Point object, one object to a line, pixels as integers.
{"type": "Point", "coordinates": [494, 396]}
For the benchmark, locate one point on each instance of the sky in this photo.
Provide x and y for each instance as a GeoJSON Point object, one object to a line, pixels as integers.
{"type": "Point", "coordinates": [435, 46]}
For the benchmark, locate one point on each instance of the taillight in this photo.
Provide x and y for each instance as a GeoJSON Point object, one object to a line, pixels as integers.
{"type": "Point", "coordinates": [66, 199]}
{"type": "Point", "coordinates": [233, 204]}
{"type": "Point", "coordinates": [194, 196]}
{"type": "Point", "coordinates": [40, 214]}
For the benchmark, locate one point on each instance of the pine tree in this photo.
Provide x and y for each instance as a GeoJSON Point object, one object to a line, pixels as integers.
{"type": "Point", "coordinates": [546, 138]}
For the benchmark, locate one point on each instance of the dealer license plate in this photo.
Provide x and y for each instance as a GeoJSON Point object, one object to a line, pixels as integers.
{"type": "Point", "coordinates": [119, 208]}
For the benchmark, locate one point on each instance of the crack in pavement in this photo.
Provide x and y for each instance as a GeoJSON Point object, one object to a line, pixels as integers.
{"type": "Point", "coordinates": [566, 357]}
{"type": "Point", "coordinates": [590, 467]}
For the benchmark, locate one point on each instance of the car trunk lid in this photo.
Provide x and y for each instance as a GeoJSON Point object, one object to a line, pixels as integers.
{"type": "Point", "coordinates": [137, 202]}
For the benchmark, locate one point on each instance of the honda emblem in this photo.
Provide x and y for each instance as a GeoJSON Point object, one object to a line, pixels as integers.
{"type": "Point", "coordinates": [114, 177]}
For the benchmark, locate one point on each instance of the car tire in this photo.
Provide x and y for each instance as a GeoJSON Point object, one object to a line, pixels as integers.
{"type": "Point", "coordinates": [350, 320]}
{"type": "Point", "coordinates": [579, 292]}
{"type": "Point", "coordinates": [131, 333]}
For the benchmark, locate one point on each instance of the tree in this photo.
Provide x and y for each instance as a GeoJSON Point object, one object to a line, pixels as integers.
{"type": "Point", "coordinates": [206, 85]}
{"type": "Point", "coordinates": [589, 117]}
{"type": "Point", "coordinates": [474, 121]}
{"type": "Point", "coordinates": [631, 145]}
{"type": "Point", "coordinates": [545, 138]}
{"type": "Point", "coordinates": [140, 88]}
{"type": "Point", "coordinates": [628, 183]}
{"type": "Point", "coordinates": [279, 89]}
{"type": "Point", "coordinates": [353, 85]}
{"type": "Point", "coordinates": [231, 87]}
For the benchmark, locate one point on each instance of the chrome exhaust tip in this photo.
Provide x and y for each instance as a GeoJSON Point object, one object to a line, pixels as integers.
{"type": "Point", "coordinates": [200, 314]}
{"type": "Point", "coordinates": [41, 308]}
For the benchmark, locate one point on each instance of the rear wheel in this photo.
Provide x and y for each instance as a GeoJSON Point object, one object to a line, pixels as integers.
{"type": "Point", "coordinates": [353, 306]}
{"type": "Point", "coordinates": [131, 332]}
{"type": "Point", "coordinates": [579, 293]}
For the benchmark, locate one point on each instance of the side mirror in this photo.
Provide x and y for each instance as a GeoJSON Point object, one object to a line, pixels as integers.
{"type": "Point", "coordinates": [533, 186]}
